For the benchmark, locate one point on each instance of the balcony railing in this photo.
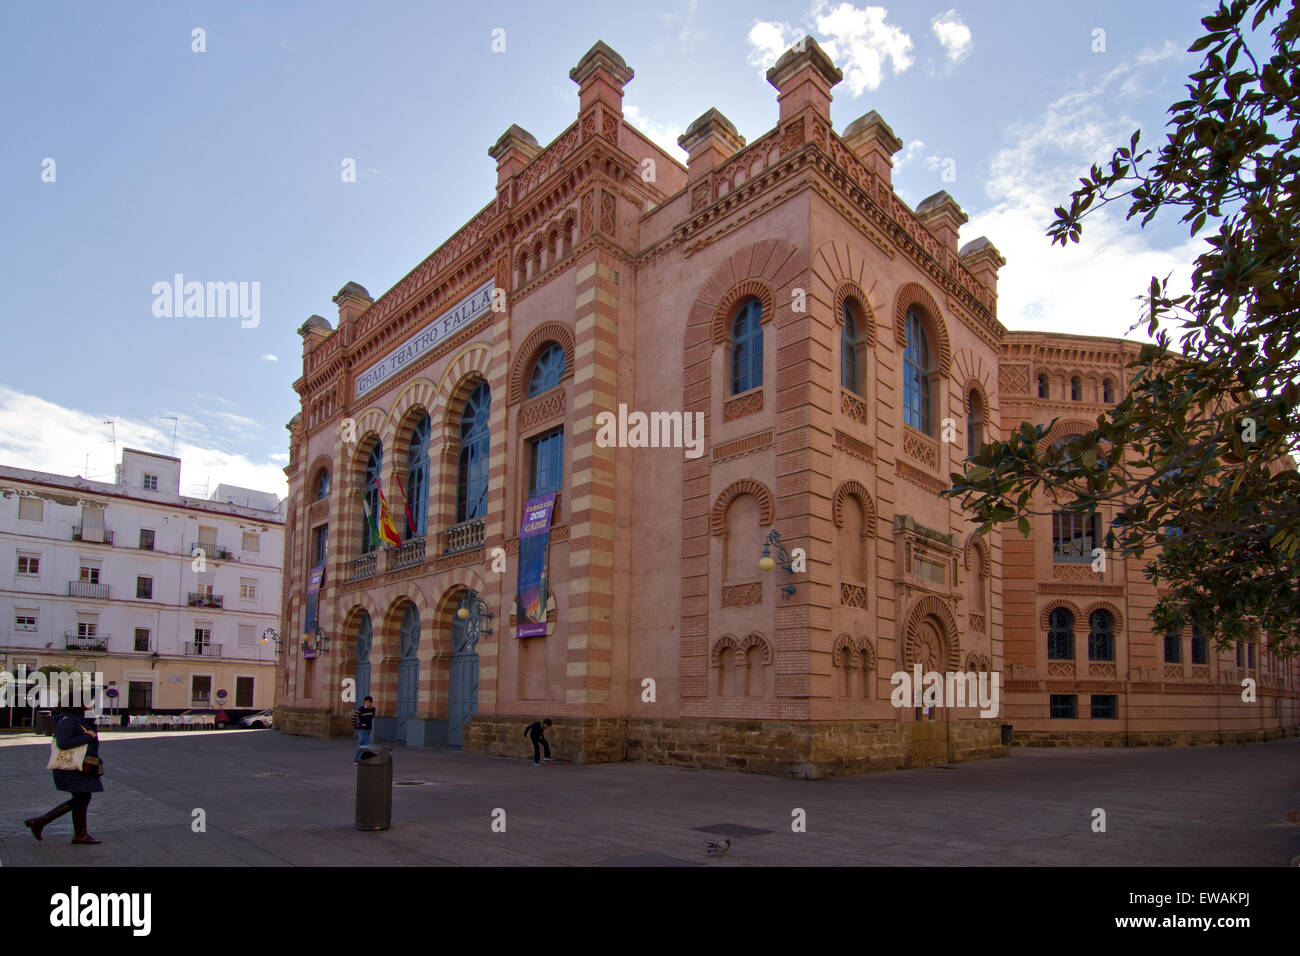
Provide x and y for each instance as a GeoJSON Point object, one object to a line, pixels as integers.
{"type": "Point", "coordinates": [464, 536]}
{"type": "Point", "coordinates": [214, 551]}
{"type": "Point", "coordinates": [406, 554]}
{"type": "Point", "coordinates": [73, 642]}
{"type": "Point", "coordinates": [199, 599]}
{"type": "Point", "coordinates": [88, 589]}
{"type": "Point", "coordinates": [104, 537]}
{"type": "Point", "coordinates": [364, 566]}
{"type": "Point", "coordinates": [202, 650]}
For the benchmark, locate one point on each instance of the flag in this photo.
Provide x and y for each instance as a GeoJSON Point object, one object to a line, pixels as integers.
{"type": "Point", "coordinates": [410, 519]}
{"type": "Point", "coordinates": [372, 537]}
{"type": "Point", "coordinates": [387, 530]}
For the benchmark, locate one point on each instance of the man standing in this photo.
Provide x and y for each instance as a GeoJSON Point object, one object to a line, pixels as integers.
{"type": "Point", "coordinates": [536, 731]}
{"type": "Point", "coordinates": [363, 719]}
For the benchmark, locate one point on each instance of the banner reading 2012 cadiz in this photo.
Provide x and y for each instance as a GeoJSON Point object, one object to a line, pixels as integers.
{"type": "Point", "coordinates": [534, 548]}
{"type": "Point", "coordinates": [314, 581]}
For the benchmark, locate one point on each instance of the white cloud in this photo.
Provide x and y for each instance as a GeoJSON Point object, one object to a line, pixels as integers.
{"type": "Point", "coordinates": [44, 436]}
{"type": "Point", "coordinates": [907, 154]}
{"type": "Point", "coordinates": [1088, 287]}
{"type": "Point", "coordinates": [859, 40]}
{"type": "Point", "coordinates": [953, 35]}
{"type": "Point", "coordinates": [663, 134]}
{"type": "Point", "coordinates": [268, 357]}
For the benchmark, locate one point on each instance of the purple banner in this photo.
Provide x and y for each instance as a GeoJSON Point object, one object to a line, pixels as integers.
{"type": "Point", "coordinates": [314, 581]}
{"type": "Point", "coordinates": [534, 549]}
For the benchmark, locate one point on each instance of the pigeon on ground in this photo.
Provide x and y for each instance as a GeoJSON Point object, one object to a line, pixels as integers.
{"type": "Point", "coordinates": [718, 849]}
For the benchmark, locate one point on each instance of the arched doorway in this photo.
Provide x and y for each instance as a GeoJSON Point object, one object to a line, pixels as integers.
{"type": "Point", "coordinates": [462, 692]}
{"type": "Point", "coordinates": [365, 638]}
{"type": "Point", "coordinates": [408, 670]}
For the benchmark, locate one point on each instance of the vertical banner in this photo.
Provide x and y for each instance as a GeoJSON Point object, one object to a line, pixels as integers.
{"type": "Point", "coordinates": [314, 581]}
{"type": "Point", "coordinates": [534, 550]}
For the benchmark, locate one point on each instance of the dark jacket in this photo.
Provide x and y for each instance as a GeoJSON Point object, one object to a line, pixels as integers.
{"type": "Point", "coordinates": [535, 731]}
{"type": "Point", "coordinates": [365, 718]}
{"type": "Point", "coordinates": [68, 733]}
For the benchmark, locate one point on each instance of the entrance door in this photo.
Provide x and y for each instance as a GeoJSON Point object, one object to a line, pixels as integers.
{"type": "Point", "coordinates": [463, 693]}
{"type": "Point", "coordinates": [139, 696]}
{"type": "Point", "coordinates": [365, 637]}
{"type": "Point", "coordinates": [408, 670]}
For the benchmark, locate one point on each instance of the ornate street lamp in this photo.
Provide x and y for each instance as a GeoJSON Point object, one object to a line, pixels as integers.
{"type": "Point", "coordinates": [474, 609]}
{"type": "Point", "coordinates": [765, 563]}
{"type": "Point", "coordinates": [274, 636]}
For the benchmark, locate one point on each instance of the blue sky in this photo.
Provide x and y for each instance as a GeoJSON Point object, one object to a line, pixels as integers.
{"type": "Point", "coordinates": [225, 165]}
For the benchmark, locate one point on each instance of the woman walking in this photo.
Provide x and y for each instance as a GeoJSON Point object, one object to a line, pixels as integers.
{"type": "Point", "coordinates": [73, 730]}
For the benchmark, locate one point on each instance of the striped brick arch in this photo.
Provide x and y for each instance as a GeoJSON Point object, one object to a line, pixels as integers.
{"type": "Point", "coordinates": [746, 486]}
{"type": "Point", "coordinates": [976, 542]}
{"type": "Point", "coordinates": [913, 294]}
{"type": "Point", "coordinates": [1116, 616]}
{"type": "Point", "coordinates": [1067, 429]}
{"type": "Point", "coordinates": [934, 609]}
{"type": "Point", "coordinates": [840, 273]}
{"type": "Point", "coordinates": [1051, 606]}
{"type": "Point", "coordinates": [544, 333]}
{"type": "Point", "coordinates": [725, 313]}
{"type": "Point", "coordinates": [855, 489]}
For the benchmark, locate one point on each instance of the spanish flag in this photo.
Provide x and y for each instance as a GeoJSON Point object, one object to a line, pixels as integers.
{"type": "Point", "coordinates": [387, 530]}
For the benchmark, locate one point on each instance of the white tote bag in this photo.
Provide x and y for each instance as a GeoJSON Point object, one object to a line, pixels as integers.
{"type": "Point", "coordinates": [70, 759]}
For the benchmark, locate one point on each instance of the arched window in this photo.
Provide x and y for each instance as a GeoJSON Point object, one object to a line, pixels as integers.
{"type": "Point", "coordinates": [1076, 390]}
{"type": "Point", "coordinates": [742, 539]}
{"type": "Point", "coordinates": [1060, 635]}
{"type": "Point", "coordinates": [322, 483]}
{"type": "Point", "coordinates": [417, 479]}
{"type": "Point", "coordinates": [747, 348]}
{"type": "Point", "coordinates": [472, 469]}
{"type": "Point", "coordinates": [370, 500]}
{"type": "Point", "coordinates": [1101, 636]}
{"type": "Point", "coordinates": [849, 351]}
{"type": "Point", "coordinates": [977, 581]}
{"type": "Point", "coordinates": [1042, 386]}
{"type": "Point", "coordinates": [1107, 391]}
{"type": "Point", "coordinates": [916, 375]}
{"type": "Point", "coordinates": [974, 423]}
{"type": "Point", "coordinates": [547, 370]}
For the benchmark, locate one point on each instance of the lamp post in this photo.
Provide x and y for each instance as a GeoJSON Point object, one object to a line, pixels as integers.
{"type": "Point", "coordinates": [274, 635]}
{"type": "Point", "coordinates": [765, 563]}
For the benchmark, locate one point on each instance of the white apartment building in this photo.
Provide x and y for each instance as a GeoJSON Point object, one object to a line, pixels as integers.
{"type": "Point", "coordinates": [167, 596]}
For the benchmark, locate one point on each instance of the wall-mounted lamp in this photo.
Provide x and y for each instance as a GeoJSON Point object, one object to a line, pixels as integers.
{"type": "Point", "coordinates": [271, 633]}
{"type": "Point", "coordinates": [765, 563]}
{"type": "Point", "coordinates": [153, 660]}
{"type": "Point", "coordinates": [473, 609]}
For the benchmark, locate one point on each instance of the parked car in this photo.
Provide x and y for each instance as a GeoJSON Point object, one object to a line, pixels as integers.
{"type": "Point", "coordinates": [260, 719]}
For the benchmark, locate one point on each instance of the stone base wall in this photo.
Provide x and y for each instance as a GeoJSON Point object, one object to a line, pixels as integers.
{"type": "Point", "coordinates": [1194, 738]}
{"type": "Point", "coordinates": [311, 723]}
{"type": "Point", "coordinates": [802, 749]}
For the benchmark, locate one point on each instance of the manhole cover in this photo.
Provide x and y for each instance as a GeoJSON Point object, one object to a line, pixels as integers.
{"type": "Point", "coordinates": [732, 830]}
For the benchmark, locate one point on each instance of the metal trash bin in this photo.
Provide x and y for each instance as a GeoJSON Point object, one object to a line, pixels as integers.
{"type": "Point", "coordinates": [1006, 735]}
{"type": "Point", "coordinates": [374, 789]}
{"type": "Point", "coordinates": [45, 723]}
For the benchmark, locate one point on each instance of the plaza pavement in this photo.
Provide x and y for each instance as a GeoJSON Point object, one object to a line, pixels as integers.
{"type": "Point", "coordinates": [274, 800]}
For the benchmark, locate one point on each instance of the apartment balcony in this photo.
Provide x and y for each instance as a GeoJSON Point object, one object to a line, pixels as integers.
{"type": "Point", "coordinates": [73, 642]}
{"type": "Point", "coordinates": [199, 599]}
{"type": "Point", "coordinates": [214, 552]}
{"type": "Point", "coordinates": [201, 650]}
{"type": "Point", "coordinates": [364, 566]}
{"type": "Point", "coordinates": [97, 536]}
{"type": "Point", "coordinates": [464, 536]}
{"type": "Point", "coordinates": [88, 589]}
{"type": "Point", "coordinates": [406, 554]}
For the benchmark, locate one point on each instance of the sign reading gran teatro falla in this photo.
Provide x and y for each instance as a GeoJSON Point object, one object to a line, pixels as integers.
{"type": "Point", "coordinates": [449, 323]}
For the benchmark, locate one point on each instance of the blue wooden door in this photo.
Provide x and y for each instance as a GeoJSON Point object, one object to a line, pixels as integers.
{"type": "Point", "coordinates": [463, 693]}
{"type": "Point", "coordinates": [408, 670]}
{"type": "Point", "coordinates": [365, 638]}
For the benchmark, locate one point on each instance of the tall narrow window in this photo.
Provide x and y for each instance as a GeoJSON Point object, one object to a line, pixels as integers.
{"type": "Point", "coordinates": [319, 544]}
{"type": "Point", "coordinates": [1101, 636]}
{"type": "Point", "coordinates": [747, 348]}
{"type": "Point", "coordinates": [322, 484]}
{"type": "Point", "coordinates": [1060, 635]}
{"type": "Point", "coordinates": [1173, 646]}
{"type": "Point", "coordinates": [1076, 390]}
{"type": "Point", "coordinates": [1042, 386]}
{"type": "Point", "coordinates": [974, 423]}
{"type": "Point", "coordinates": [417, 479]}
{"type": "Point", "coordinates": [475, 442]}
{"type": "Point", "coordinates": [849, 351]}
{"type": "Point", "coordinates": [916, 375]}
{"type": "Point", "coordinates": [1198, 645]}
{"type": "Point", "coordinates": [1107, 391]}
{"type": "Point", "coordinates": [547, 371]}
{"type": "Point", "coordinates": [546, 463]}
{"type": "Point", "coordinates": [370, 502]}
